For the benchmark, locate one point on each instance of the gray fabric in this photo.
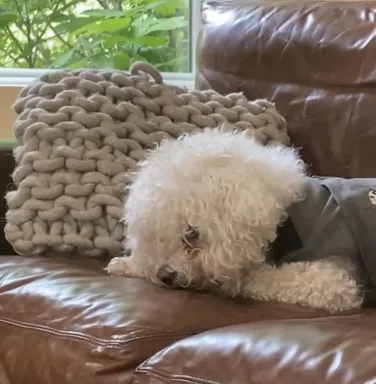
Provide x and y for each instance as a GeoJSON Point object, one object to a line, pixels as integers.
{"type": "Point", "coordinates": [358, 211]}
{"type": "Point", "coordinates": [337, 217]}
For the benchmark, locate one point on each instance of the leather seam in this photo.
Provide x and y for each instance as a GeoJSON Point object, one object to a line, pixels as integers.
{"type": "Point", "coordinates": [92, 340]}
{"type": "Point", "coordinates": [241, 79]}
{"type": "Point", "coordinates": [161, 374]}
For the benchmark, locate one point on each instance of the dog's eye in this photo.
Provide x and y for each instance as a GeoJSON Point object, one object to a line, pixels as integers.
{"type": "Point", "coordinates": [190, 236]}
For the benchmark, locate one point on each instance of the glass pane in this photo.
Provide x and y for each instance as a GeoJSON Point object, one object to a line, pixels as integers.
{"type": "Point", "coordinates": [94, 34]}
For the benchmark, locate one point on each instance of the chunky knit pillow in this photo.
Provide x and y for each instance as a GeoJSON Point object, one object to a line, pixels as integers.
{"type": "Point", "coordinates": [80, 135]}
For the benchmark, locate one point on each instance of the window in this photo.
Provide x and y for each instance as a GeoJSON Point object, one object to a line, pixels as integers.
{"type": "Point", "coordinates": [40, 35]}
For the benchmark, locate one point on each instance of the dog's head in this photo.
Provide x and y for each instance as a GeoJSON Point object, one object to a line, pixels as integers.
{"type": "Point", "coordinates": [204, 208]}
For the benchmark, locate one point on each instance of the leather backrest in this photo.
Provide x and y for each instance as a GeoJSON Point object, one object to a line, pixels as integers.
{"type": "Point", "coordinates": [315, 60]}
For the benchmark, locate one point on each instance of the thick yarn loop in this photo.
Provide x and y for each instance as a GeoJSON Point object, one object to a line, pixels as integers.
{"type": "Point", "coordinates": [80, 135]}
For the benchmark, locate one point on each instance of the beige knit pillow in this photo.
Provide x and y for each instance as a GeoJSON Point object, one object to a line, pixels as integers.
{"type": "Point", "coordinates": [80, 135]}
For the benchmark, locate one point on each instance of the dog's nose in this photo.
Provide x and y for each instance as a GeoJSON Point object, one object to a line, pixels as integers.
{"type": "Point", "coordinates": [165, 276]}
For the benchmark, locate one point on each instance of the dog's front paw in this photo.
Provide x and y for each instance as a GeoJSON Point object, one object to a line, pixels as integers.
{"type": "Point", "coordinates": [122, 266]}
{"type": "Point", "coordinates": [118, 266]}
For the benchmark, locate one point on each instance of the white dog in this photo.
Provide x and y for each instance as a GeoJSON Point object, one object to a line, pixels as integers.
{"type": "Point", "coordinates": [218, 211]}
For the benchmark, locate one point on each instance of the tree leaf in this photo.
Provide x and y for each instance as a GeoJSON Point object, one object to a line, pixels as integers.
{"type": "Point", "coordinates": [144, 27]}
{"type": "Point", "coordinates": [59, 17]}
{"type": "Point", "coordinates": [104, 13]}
{"type": "Point", "coordinates": [171, 7]}
{"type": "Point", "coordinates": [147, 6]}
{"type": "Point", "coordinates": [152, 41]}
{"type": "Point", "coordinates": [100, 61]}
{"type": "Point", "coordinates": [7, 18]}
{"type": "Point", "coordinates": [66, 5]}
{"type": "Point", "coordinates": [121, 60]}
{"type": "Point", "coordinates": [148, 41]}
{"type": "Point", "coordinates": [163, 7]}
{"type": "Point", "coordinates": [79, 63]}
{"type": "Point", "coordinates": [63, 60]}
{"type": "Point", "coordinates": [74, 24]}
{"type": "Point", "coordinates": [175, 65]}
{"type": "Point", "coordinates": [106, 25]}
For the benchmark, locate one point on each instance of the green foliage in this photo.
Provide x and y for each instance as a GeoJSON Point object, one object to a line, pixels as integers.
{"type": "Point", "coordinates": [94, 33]}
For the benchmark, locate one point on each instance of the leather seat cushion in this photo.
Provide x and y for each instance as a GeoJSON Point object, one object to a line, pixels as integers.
{"type": "Point", "coordinates": [67, 321]}
{"type": "Point", "coordinates": [332, 350]}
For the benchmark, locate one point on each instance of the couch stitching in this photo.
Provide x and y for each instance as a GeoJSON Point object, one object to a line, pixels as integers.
{"type": "Point", "coordinates": [161, 374]}
{"type": "Point", "coordinates": [89, 339]}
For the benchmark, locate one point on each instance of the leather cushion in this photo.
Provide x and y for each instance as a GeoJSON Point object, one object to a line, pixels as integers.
{"type": "Point", "coordinates": [336, 350]}
{"type": "Point", "coordinates": [68, 322]}
{"type": "Point", "coordinates": [313, 59]}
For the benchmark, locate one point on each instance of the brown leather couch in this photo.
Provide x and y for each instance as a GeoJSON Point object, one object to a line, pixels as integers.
{"type": "Point", "coordinates": [64, 321]}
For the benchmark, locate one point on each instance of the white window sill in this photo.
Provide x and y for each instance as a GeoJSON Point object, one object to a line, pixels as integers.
{"type": "Point", "coordinates": [23, 77]}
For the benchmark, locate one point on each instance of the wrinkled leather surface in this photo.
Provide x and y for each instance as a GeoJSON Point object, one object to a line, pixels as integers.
{"type": "Point", "coordinates": [338, 350]}
{"type": "Point", "coordinates": [315, 60]}
{"type": "Point", "coordinates": [65, 321]}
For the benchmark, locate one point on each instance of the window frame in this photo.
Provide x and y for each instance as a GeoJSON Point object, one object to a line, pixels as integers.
{"type": "Point", "coordinates": [19, 77]}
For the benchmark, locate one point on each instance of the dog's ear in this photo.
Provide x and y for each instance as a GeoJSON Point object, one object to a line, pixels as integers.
{"type": "Point", "coordinates": [287, 174]}
{"type": "Point", "coordinates": [275, 178]}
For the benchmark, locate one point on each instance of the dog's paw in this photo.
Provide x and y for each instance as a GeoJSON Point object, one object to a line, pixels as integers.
{"type": "Point", "coordinates": [118, 266]}
{"type": "Point", "coordinates": [122, 266]}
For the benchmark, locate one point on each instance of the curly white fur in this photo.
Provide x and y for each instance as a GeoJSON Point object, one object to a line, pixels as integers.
{"type": "Point", "coordinates": [204, 209]}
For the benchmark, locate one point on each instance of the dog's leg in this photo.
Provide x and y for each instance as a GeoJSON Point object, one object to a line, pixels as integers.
{"type": "Point", "coordinates": [323, 284]}
{"type": "Point", "coordinates": [124, 266]}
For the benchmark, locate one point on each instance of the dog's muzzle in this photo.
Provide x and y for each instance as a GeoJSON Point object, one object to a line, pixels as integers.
{"type": "Point", "coordinates": [166, 277]}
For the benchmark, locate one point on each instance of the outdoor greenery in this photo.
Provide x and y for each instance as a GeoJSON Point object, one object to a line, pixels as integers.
{"type": "Point", "coordinates": [94, 33]}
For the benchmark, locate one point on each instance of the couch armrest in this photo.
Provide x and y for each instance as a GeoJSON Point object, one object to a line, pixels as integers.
{"type": "Point", "coordinates": [7, 164]}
